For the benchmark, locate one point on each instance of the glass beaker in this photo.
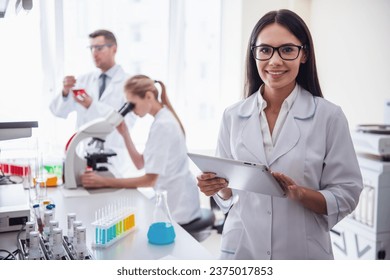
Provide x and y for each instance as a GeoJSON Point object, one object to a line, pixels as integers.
{"type": "Point", "coordinates": [161, 231]}
{"type": "Point", "coordinates": [37, 191]}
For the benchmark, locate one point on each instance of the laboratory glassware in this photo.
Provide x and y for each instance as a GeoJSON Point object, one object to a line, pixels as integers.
{"type": "Point", "coordinates": [161, 231]}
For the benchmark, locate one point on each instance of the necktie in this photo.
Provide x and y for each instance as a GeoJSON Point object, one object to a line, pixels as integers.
{"type": "Point", "coordinates": [102, 84]}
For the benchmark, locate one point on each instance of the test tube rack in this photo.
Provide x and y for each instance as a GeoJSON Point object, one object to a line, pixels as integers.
{"type": "Point", "coordinates": [24, 252]}
{"type": "Point", "coordinates": [52, 244]}
{"type": "Point", "coordinates": [112, 223]}
{"type": "Point", "coordinates": [72, 252]}
{"type": "Point", "coordinates": [45, 252]}
{"type": "Point", "coordinates": [15, 169]}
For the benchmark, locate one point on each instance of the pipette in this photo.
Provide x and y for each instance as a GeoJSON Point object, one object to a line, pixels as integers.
{"type": "Point", "coordinates": [38, 217]}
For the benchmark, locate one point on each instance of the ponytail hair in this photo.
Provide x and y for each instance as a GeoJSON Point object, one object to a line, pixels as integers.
{"type": "Point", "coordinates": [165, 101]}
{"type": "Point", "coordinates": [140, 84]}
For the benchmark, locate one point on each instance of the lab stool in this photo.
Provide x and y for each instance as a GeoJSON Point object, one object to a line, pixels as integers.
{"type": "Point", "coordinates": [201, 228]}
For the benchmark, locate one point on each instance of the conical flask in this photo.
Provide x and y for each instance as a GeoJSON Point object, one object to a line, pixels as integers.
{"type": "Point", "coordinates": [161, 231]}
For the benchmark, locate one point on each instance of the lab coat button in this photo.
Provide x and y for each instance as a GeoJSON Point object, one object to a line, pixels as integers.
{"type": "Point", "coordinates": [268, 253]}
{"type": "Point", "coordinates": [269, 212]}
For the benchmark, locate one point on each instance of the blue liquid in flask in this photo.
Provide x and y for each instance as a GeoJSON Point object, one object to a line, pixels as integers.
{"type": "Point", "coordinates": [161, 233]}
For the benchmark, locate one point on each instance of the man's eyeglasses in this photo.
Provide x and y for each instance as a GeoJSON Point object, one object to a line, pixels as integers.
{"type": "Point", "coordinates": [99, 48]}
{"type": "Point", "coordinates": [286, 52]}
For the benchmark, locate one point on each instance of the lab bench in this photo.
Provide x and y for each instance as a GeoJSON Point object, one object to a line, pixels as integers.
{"type": "Point", "coordinates": [134, 245]}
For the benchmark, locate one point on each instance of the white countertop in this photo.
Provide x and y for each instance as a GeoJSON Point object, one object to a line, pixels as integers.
{"type": "Point", "coordinates": [133, 246]}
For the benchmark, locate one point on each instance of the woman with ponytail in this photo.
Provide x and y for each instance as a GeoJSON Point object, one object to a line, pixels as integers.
{"type": "Point", "coordinates": [165, 156]}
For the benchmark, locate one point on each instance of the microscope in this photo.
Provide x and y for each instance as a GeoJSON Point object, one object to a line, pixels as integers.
{"type": "Point", "coordinates": [97, 129]}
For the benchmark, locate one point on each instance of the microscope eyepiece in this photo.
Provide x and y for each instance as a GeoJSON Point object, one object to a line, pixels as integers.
{"type": "Point", "coordinates": [126, 108]}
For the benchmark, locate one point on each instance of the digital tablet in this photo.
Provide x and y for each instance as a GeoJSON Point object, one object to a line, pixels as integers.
{"type": "Point", "coordinates": [241, 175]}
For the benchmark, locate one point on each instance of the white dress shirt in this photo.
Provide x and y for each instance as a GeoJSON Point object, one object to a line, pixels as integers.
{"type": "Point", "coordinates": [268, 140]}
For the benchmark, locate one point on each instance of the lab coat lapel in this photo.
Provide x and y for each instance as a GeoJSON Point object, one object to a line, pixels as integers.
{"type": "Point", "coordinates": [95, 86]}
{"type": "Point", "coordinates": [303, 109]}
{"type": "Point", "coordinates": [288, 138]}
{"type": "Point", "coordinates": [252, 138]}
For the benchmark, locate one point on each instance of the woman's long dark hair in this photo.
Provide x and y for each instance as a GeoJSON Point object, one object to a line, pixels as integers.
{"type": "Point", "coordinates": [307, 75]}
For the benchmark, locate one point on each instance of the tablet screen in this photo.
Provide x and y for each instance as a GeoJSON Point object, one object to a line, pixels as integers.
{"type": "Point", "coordinates": [241, 175]}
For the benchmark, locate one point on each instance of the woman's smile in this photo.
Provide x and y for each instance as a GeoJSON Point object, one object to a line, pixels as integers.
{"type": "Point", "coordinates": [276, 74]}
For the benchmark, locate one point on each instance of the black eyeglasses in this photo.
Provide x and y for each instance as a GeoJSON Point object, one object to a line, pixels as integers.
{"type": "Point", "coordinates": [286, 52]}
{"type": "Point", "coordinates": [99, 48]}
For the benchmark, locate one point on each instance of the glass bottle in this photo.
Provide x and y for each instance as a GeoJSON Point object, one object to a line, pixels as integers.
{"type": "Point", "coordinates": [37, 192]}
{"type": "Point", "coordinates": [161, 231]}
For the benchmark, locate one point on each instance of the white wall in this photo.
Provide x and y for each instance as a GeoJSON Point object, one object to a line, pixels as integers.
{"type": "Point", "coordinates": [352, 39]}
{"type": "Point", "coordinates": [251, 11]}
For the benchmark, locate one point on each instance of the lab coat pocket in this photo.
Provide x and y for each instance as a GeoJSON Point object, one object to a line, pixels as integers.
{"type": "Point", "coordinates": [319, 249]}
{"type": "Point", "coordinates": [319, 244]}
{"type": "Point", "coordinates": [231, 241]}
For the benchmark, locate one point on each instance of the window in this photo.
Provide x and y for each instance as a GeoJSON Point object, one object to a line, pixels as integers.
{"type": "Point", "coordinates": [197, 82]}
{"type": "Point", "coordinates": [21, 96]}
{"type": "Point", "coordinates": [175, 41]}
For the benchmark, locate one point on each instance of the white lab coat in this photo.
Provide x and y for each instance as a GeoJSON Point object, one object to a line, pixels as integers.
{"type": "Point", "coordinates": [315, 149]}
{"type": "Point", "coordinates": [165, 154]}
{"type": "Point", "coordinates": [112, 99]}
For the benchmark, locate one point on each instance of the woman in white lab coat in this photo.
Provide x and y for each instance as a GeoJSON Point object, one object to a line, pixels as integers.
{"type": "Point", "coordinates": [285, 123]}
{"type": "Point", "coordinates": [165, 156]}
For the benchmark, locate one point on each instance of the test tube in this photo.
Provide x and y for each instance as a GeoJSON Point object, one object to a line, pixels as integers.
{"type": "Point", "coordinates": [38, 217]}
{"type": "Point", "coordinates": [51, 207]}
{"type": "Point", "coordinates": [40, 187]}
{"type": "Point", "coordinates": [97, 228]}
{"type": "Point", "coordinates": [58, 250]}
{"type": "Point", "coordinates": [75, 225]}
{"type": "Point", "coordinates": [30, 226]}
{"type": "Point", "coordinates": [52, 225]}
{"type": "Point", "coordinates": [112, 222]}
{"type": "Point", "coordinates": [33, 252]}
{"type": "Point", "coordinates": [47, 217]}
{"type": "Point", "coordinates": [71, 219]}
{"type": "Point", "coordinates": [81, 242]}
{"type": "Point", "coordinates": [27, 177]}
